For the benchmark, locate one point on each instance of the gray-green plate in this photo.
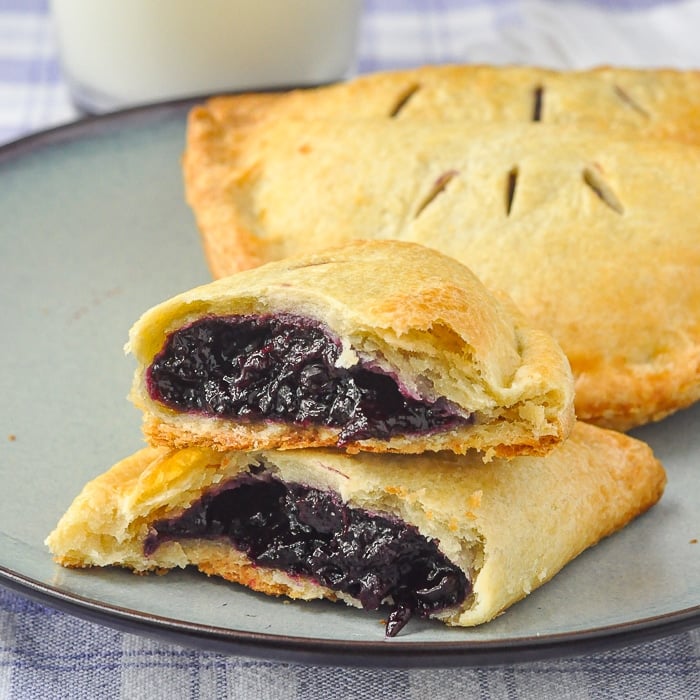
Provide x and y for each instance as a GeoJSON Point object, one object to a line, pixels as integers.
{"type": "Point", "coordinates": [94, 230]}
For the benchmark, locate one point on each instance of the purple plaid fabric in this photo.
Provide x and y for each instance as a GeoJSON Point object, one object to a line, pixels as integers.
{"type": "Point", "coordinates": [53, 656]}
{"type": "Point", "coordinates": [49, 654]}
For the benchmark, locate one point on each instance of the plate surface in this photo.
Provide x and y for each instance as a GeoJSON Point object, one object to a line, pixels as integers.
{"type": "Point", "coordinates": [94, 231]}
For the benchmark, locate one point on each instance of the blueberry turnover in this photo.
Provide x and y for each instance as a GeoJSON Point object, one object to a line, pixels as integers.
{"type": "Point", "coordinates": [575, 192]}
{"type": "Point", "coordinates": [436, 535]}
{"type": "Point", "coordinates": [378, 346]}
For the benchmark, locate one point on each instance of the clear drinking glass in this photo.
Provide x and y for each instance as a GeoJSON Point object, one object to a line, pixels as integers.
{"type": "Point", "coordinates": [118, 53]}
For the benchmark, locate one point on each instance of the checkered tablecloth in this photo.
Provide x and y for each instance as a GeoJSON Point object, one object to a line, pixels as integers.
{"type": "Point", "coordinates": [49, 654]}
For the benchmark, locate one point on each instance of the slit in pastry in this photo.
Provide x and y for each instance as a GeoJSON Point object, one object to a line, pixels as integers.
{"type": "Point", "coordinates": [594, 179]}
{"type": "Point", "coordinates": [403, 100]}
{"type": "Point", "coordinates": [537, 103]}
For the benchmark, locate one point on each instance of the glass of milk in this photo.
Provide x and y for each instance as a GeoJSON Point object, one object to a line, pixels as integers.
{"type": "Point", "coordinates": [119, 53]}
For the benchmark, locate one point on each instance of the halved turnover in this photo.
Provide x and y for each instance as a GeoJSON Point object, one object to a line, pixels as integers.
{"type": "Point", "coordinates": [379, 346]}
{"type": "Point", "coordinates": [436, 535]}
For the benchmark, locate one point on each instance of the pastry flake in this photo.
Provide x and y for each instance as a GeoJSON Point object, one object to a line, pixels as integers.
{"type": "Point", "coordinates": [442, 536]}
{"type": "Point", "coordinates": [379, 346]}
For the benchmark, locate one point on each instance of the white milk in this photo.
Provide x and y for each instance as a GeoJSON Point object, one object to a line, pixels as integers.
{"type": "Point", "coordinates": [117, 53]}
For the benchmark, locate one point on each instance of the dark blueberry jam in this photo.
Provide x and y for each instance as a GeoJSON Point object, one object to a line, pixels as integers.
{"type": "Point", "coordinates": [305, 531]}
{"type": "Point", "coordinates": [283, 368]}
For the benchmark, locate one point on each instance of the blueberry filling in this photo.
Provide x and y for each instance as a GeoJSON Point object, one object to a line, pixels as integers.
{"type": "Point", "coordinates": [284, 368]}
{"type": "Point", "coordinates": [308, 532]}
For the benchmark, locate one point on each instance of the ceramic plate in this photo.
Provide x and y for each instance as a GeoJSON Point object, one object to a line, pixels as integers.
{"type": "Point", "coordinates": [94, 230]}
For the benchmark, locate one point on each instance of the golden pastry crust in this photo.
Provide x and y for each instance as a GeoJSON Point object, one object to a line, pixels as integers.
{"type": "Point", "coordinates": [420, 316]}
{"type": "Point", "coordinates": [657, 103]}
{"type": "Point", "coordinates": [510, 525]}
{"type": "Point", "coordinates": [592, 231]}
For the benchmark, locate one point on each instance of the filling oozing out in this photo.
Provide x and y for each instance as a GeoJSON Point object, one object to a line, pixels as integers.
{"type": "Point", "coordinates": [308, 532]}
{"type": "Point", "coordinates": [284, 368]}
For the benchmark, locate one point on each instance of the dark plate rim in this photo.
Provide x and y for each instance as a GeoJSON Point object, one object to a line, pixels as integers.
{"type": "Point", "coordinates": [305, 649]}
{"type": "Point", "coordinates": [385, 654]}
{"type": "Point", "coordinates": [93, 124]}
